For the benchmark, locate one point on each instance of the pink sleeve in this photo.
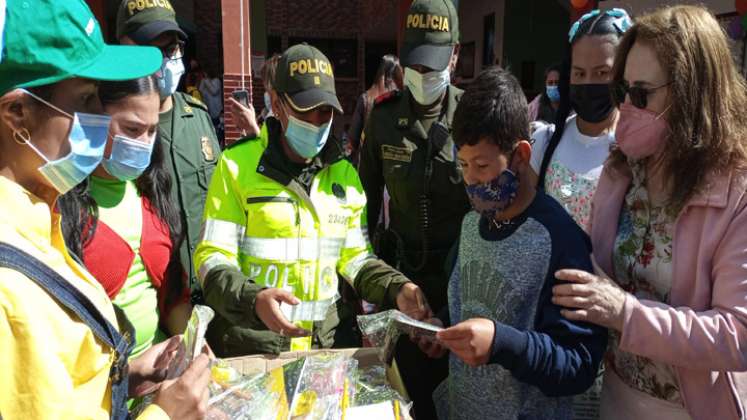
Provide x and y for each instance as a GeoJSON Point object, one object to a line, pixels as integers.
{"type": "Point", "coordinates": [534, 108]}
{"type": "Point", "coordinates": [714, 339]}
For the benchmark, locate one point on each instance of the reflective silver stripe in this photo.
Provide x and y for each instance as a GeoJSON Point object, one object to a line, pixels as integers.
{"type": "Point", "coordinates": [357, 238]}
{"type": "Point", "coordinates": [222, 233]}
{"type": "Point", "coordinates": [213, 261]}
{"type": "Point", "coordinates": [353, 267]}
{"type": "Point", "coordinates": [292, 249]}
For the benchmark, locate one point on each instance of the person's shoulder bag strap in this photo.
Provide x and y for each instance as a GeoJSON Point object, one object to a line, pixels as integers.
{"type": "Point", "coordinates": [72, 299]}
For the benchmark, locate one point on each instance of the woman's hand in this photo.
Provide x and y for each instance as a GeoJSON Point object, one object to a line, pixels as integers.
{"type": "Point", "coordinates": [186, 397]}
{"type": "Point", "coordinates": [149, 369]}
{"type": "Point", "coordinates": [590, 298]}
{"type": "Point", "coordinates": [245, 118]}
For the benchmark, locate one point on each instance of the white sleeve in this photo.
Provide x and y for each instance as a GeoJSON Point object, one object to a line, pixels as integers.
{"type": "Point", "coordinates": [540, 139]}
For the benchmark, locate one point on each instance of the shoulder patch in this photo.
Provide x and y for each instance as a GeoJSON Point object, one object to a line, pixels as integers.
{"type": "Point", "coordinates": [192, 101]}
{"type": "Point", "coordinates": [387, 97]}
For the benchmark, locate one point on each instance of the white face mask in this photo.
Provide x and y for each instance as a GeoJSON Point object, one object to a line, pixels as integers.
{"type": "Point", "coordinates": [427, 88]}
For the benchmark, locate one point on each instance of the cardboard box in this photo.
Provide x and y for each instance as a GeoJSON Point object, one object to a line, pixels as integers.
{"type": "Point", "coordinates": [250, 365]}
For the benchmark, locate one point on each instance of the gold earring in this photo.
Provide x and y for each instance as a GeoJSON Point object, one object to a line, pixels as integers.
{"type": "Point", "coordinates": [22, 134]}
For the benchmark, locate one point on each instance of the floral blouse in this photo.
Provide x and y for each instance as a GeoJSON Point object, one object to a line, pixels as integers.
{"type": "Point", "coordinates": [642, 263]}
{"type": "Point", "coordinates": [572, 190]}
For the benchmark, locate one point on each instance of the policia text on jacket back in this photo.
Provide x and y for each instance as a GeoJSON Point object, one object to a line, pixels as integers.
{"type": "Point", "coordinates": [185, 128]}
{"type": "Point", "coordinates": [284, 217]}
{"type": "Point", "coordinates": [408, 148]}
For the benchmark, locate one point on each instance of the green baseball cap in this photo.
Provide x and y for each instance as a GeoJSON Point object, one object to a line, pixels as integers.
{"type": "Point", "coordinates": [47, 41]}
{"type": "Point", "coordinates": [144, 20]}
{"type": "Point", "coordinates": [305, 76]}
{"type": "Point", "coordinates": [431, 31]}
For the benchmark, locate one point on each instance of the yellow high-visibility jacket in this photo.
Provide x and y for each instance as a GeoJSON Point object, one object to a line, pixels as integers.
{"type": "Point", "coordinates": [266, 226]}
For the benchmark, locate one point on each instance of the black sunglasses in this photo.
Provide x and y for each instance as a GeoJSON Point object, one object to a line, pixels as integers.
{"type": "Point", "coordinates": [638, 95]}
{"type": "Point", "coordinates": [174, 51]}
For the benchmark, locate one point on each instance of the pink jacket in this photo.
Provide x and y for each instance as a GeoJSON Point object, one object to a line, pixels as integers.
{"type": "Point", "coordinates": [703, 329]}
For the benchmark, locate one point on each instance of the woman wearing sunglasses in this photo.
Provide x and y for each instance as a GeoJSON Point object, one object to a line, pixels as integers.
{"type": "Point", "coordinates": [568, 157]}
{"type": "Point", "coordinates": [121, 223]}
{"type": "Point", "coordinates": [669, 227]}
{"type": "Point", "coordinates": [63, 346]}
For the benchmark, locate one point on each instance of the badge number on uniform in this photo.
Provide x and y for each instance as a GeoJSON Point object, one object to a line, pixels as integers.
{"type": "Point", "coordinates": [207, 148]}
{"type": "Point", "coordinates": [400, 154]}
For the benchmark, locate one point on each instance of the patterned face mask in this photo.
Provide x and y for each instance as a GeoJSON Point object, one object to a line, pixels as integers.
{"type": "Point", "coordinates": [492, 197]}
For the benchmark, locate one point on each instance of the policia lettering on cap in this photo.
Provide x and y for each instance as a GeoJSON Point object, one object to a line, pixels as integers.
{"type": "Point", "coordinates": [185, 128]}
{"type": "Point", "coordinates": [284, 221]}
{"type": "Point", "coordinates": [408, 149]}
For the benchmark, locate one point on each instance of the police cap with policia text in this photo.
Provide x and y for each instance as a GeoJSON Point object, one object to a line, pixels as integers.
{"type": "Point", "coordinates": [431, 31]}
{"type": "Point", "coordinates": [47, 41]}
{"type": "Point", "coordinates": [144, 20]}
{"type": "Point", "coordinates": [305, 78]}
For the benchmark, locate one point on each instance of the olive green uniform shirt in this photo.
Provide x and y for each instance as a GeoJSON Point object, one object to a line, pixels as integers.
{"type": "Point", "coordinates": [394, 154]}
{"type": "Point", "coordinates": [191, 152]}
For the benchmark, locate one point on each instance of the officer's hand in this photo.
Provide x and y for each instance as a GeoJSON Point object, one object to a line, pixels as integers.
{"type": "Point", "coordinates": [412, 302]}
{"type": "Point", "coordinates": [471, 340]}
{"type": "Point", "coordinates": [187, 396]}
{"type": "Point", "coordinates": [245, 118]}
{"type": "Point", "coordinates": [267, 306]}
{"type": "Point", "coordinates": [430, 345]}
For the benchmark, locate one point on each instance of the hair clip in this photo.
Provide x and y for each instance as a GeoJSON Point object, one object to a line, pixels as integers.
{"type": "Point", "coordinates": [622, 21]}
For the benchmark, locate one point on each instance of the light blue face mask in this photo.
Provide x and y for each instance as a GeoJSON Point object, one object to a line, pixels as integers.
{"type": "Point", "coordinates": [169, 76]}
{"type": "Point", "coordinates": [87, 140]}
{"type": "Point", "coordinates": [268, 103]}
{"type": "Point", "coordinates": [129, 158]}
{"type": "Point", "coordinates": [305, 138]}
{"type": "Point", "coordinates": [553, 92]}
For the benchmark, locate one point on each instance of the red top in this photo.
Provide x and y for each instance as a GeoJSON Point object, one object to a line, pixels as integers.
{"type": "Point", "coordinates": [109, 258]}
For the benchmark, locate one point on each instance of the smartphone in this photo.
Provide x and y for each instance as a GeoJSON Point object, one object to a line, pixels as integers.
{"type": "Point", "coordinates": [241, 95]}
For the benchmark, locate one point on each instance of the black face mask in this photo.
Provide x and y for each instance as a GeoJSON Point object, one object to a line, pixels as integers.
{"type": "Point", "coordinates": [592, 103]}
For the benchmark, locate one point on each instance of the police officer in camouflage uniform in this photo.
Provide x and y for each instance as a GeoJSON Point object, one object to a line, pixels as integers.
{"type": "Point", "coordinates": [408, 149]}
{"type": "Point", "coordinates": [185, 128]}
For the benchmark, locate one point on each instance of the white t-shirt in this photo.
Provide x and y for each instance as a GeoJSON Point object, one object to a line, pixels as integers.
{"type": "Point", "coordinates": [575, 167]}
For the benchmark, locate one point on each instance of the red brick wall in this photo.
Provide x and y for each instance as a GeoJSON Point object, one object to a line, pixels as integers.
{"type": "Point", "coordinates": [232, 82]}
{"type": "Point", "coordinates": [331, 19]}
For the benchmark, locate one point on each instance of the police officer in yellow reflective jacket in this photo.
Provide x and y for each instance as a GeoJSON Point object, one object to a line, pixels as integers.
{"type": "Point", "coordinates": [284, 219]}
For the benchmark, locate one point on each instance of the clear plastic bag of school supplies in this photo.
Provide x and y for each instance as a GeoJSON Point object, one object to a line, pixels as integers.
{"type": "Point", "coordinates": [384, 329]}
{"type": "Point", "coordinates": [372, 387]}
{"type": "Point", "coordinates": [325, 388]}
{"type": "Point", "coordinates": [193, 340]}
{"type": "Point", "coordinates": [237, 397]}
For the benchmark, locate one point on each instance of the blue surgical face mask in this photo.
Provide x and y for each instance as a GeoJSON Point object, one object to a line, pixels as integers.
{"type": "Point", "coordinates": [553, 93]}
{"type": "Point", "coordinates": [305, 138]}
{"type": "Point", "coordinates": [171, 73]}
{"type": "Point", "coordinates": [493, 197]}
{"type": "Point", "coordinates": [129, 158]}
{"type": "Point", "coordinates": [427, 88]}
{"type": "Point", "coordinates": [268, 103]}
{"type": "Point", "coordinates": [87, 139]}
